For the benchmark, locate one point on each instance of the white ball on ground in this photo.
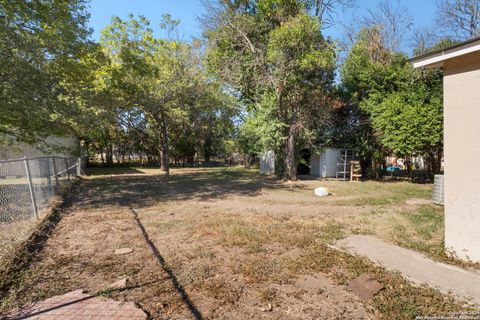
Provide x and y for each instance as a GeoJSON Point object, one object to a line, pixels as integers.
{"type": "Point", "coordinates": [321, 192]}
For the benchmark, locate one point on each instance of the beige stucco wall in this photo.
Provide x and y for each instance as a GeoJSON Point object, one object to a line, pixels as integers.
{"type": "Point", "coordinates": [462, 155]}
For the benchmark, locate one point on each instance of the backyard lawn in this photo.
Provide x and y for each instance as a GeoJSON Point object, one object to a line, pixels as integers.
{"type": "Point", "coordinates": [227, 243]}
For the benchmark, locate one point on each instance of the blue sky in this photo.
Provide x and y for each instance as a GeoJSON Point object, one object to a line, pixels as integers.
{"type": "Point", "coordinates": [187, 11]}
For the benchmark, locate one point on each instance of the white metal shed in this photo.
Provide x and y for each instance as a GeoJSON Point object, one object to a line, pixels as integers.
{"type": "Point", "coordinates": [325, 164]}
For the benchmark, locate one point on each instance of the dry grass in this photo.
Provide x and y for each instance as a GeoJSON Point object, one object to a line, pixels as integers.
{"type": "Point", "coordinates": [229, 244]}
{"type": "Point", "coordinates": [13, 234]}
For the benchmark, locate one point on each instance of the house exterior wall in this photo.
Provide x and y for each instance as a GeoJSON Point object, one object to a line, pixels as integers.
{"type": "Point", "coordinates": [68, 146]}
{"type": "Point", "coordinates": [462, 155]}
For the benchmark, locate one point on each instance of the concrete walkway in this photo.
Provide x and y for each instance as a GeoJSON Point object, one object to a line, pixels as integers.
{"type": "Point", "coordinates": [415, 266]}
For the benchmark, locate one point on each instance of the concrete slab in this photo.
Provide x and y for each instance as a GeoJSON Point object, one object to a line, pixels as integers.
{"type": "Point", "coordinates": [76, 305]}
{"type": "Point", "coordinates": [416, 266]}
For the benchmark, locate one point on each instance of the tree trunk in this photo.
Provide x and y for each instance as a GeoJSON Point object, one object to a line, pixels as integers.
{"type": "Point", "coordinates": [439, 160]}
{"type": "Point", "coordinates": [101, 157]}
{"type": "Point", "coordinates": [434, 161]}
{"type": "Point", "coordinates": [207, 146]}
{"type": "Point", "coordinates": [247, 161]}
{"type": "Point", "coordinates": [384, 167]}
{"type": "Point", "coordinates": [291, 169]}
{"type": "Point", "coordinates": [164, 156]}
{"type": "Point", "coordinates": [365, 165]}
{"type": "Point", "coordinates": [109, 155]}
{"type": "Point", "coordinates": [431, 163]}
{"type": "Point", "coordinates": [206, 154]}
{"type": "Point", "coordinates": [87, 153]}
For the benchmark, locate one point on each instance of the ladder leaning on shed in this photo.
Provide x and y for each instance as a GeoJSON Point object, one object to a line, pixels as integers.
{"type": "Point", "coordinates": [344, 159]}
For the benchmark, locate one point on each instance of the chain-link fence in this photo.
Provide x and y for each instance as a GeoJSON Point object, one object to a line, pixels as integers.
{"type": "Point", "coordinates": [28, 184]}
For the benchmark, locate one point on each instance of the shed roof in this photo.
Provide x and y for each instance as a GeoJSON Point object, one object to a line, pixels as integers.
{"type": "Point", "coordinates": [437, 57]}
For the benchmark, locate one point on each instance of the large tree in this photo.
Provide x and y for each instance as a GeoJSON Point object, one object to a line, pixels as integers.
{"type": "Point", "coordinates": [163, 93]}
{"type": "Point", "coordinates": [153, 77]}
{"type": "Point", "coordinates": [363, 73]}
{"type": "Point", "coordinates": [403, 106]}
{"type": "Point", "coordinates": [460, 19]}
{"type": "Point", "coordinates": [272, 53]}
{"type": "Point", "coordinates": [41, 43]}
{"type": "Point", "coordinates": [326, 10]}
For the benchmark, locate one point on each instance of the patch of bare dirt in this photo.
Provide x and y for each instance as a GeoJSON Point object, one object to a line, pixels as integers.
{"type": "Point", "coordinates": [309, 297]}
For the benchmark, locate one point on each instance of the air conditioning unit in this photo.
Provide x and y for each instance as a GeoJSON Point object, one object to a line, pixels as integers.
{"type": "Point", "coordinates": [438, 189]}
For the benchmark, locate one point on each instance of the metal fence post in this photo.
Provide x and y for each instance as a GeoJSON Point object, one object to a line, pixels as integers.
{"type": "Point", "coordinates": [55, 172]}
{"type": "Point", "coordinates": [30, 186]}
{"type": "Point", "coordinates": [66, 168]}
{"type": "Point", "coordinates": [49, 177]}
{"type": "Point", "coordinates": [79, 167]}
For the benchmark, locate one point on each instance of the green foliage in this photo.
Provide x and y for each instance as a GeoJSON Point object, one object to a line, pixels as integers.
{"type": "Point", "coordinates": [400, 108]}
{"type": "Point", "coordinates": [274, 56]}
{"type": "Point", "coordinates": [137, 94]}
{"type": "Point", "coordinates": [297, 51]}
{"type": "Point", "coordinates": [278, 11]}
{"type": "Point", "coordinates": [410, 121]}
{"type": "Point", "coordinates": [130, 94]}
{"type": "Point", "coordinates": [261, 130]}
{"type": "Point", "coordinates": [163, 92]}
{"type": "Point", "coordinates": [441, 44]}
{"type": "Point", "coordinates": [41, 43]}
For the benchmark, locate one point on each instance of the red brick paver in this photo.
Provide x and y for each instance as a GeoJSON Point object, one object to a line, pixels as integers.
{"type": "Point", "coordinates": [76, 305]}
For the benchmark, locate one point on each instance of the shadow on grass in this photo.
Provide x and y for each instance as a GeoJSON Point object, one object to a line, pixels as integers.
{"type": "Point", "coordinates": [12, 270]}
{"type": "Point", "coordinates": [417, 179]}
{"type": "Point", "coordinates": [99, 171]}
{"type": "Point", "coordinates": [176, 284]}
{"type": "Point", "coordinates": [146, 190]}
